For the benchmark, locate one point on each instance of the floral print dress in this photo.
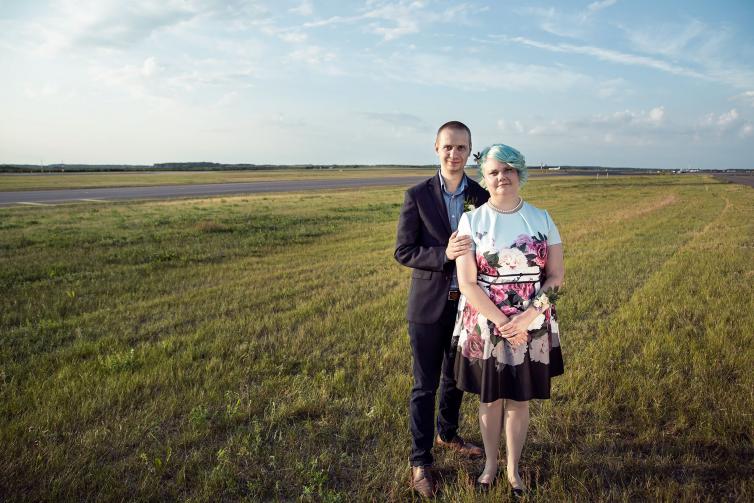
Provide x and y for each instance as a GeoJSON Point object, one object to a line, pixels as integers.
{"type": "Point", "coordinates": [511, 253]}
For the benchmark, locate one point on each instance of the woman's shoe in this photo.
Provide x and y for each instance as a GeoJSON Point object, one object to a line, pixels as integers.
{"type": "Point", "coordinates": [517, 493]}
{"type": "Point", "coordinates": [487, 484]}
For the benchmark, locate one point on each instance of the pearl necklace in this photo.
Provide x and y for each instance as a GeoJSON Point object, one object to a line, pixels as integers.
{"type": "Point", "coordinates": [507, 212]}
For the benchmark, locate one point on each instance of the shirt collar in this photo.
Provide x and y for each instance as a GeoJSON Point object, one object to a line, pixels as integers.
{"type": "Point", "coordinates": [461, 186]}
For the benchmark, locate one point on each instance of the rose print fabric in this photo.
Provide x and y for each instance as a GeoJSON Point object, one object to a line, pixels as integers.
{"type": "Point", "coordinates": [511, 254]}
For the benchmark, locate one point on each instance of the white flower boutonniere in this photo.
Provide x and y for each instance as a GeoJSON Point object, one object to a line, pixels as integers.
{"type": "Point", "coordinates": [468, 206]}
{"type": "Point", "coordinates": [543, 300]}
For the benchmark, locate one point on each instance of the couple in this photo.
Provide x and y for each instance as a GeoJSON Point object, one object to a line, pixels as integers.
{"type": "Point", "coordinates": [486, 267]}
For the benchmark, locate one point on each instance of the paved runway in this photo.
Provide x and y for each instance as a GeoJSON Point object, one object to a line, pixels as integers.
{"type": "Point", "coordinates": [743, 179]}
{"type": "Point", "coordinates": [47, 197]}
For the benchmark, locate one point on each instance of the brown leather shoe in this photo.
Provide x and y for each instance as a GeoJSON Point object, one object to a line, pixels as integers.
{"type": "Point", "coordinates": [422, 481]}
{"type": "Point", "coordinates": [462, 447]}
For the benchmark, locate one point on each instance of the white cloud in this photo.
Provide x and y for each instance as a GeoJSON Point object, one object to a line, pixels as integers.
{"type": "Point", "coordinates": [106, 23]}
{"type": "Point", "coordinates": [599, 5]}
{"type": "Point", "coordinates": [430, 69]}
{"type": "Point", "coordinates": [613, 88]}
{"type": "Point", "coordinates": [149, 68]}
{"type": "Point", "coordinates": [609, 55]}
{"type": "Point", "coordinates": [312, 55]}
{"type": "Point", "coordinates": [131, 82]}
{"type": "Point", "coordinates": [151, 81]}
{"type": "Point", "coordinates": [393, 20]}
{"type": "Point", "coordinates": [228, 99]}
{"type": "Point", "coordinates": [510, 126]}
{"type": "Point", "coordinates": [667, 40]}
{"type": "Point", "coordinates": [637, 128]}
{"type": "Point", "coordinates": [113, 24]}
{"type": "Point", "coordinates": [293, 37]}
{"type": "Point", "coordinates": [720, 122]}
{"type": "Point", "coordinates": [330, 21]}
{"type": "Point", "coordinates": [728, 124]}
{"type": "Point", "coordinates": [44, 91]}
{"type": "Point", "coordinates": [727, 118]}
{"type": "Point", "coordinates": [459, 13]}
{"type": "Point", "coordinates": [626, 127]}
{"type": "Point", "coordinates": [400, 120]}
{"type": "Point", "coordinates": [746, 97]}
{"type": "Point", "coordinates": [596, 6]}
{"type": "Point", "coordinates": [557, 23]}
{"type": "Point", "coordinates": [567, 24]}
{"type": "Point", "coordinates": [656, 114]}
{"type": "Point", "coordinates": [305, 8]}
{"type": "Point", "coordinates": [695, 44]}
{"type": "Point", "coordinates": [629, 118]}
{"type": "Point", "coordinates": [402, 18]}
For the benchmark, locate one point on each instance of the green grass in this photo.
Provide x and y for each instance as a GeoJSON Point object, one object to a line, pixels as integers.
{"type": "Point", "coordinates": [255, 348]}
{"type": "Point", "coordinates": [13, 182]}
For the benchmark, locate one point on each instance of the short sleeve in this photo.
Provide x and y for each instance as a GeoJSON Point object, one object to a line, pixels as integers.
{"type": "Point", "coordinates": [464, 229]}
{"type": "Point", "coordinates": [553, 235]}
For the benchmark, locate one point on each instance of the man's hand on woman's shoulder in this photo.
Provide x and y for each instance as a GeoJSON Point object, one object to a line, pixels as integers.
{"type": "Point", "coordinates": [457, 246]}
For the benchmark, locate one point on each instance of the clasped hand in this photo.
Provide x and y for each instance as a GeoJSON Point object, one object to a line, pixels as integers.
{"type": "Point", "coordinates": [457, 246]}
{"type": "Point", "coordinates": [515, 330]}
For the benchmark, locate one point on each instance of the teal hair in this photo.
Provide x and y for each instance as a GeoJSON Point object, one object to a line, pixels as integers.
{"type": "Point", "coordinates": [506, 154]}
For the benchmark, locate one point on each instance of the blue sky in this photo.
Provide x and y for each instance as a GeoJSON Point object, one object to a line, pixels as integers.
{"type": "Point", "coordinates": [613, 82]}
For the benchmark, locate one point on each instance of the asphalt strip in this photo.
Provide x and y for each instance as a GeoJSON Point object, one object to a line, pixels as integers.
{"type": "Point", "coordinates": [54, 196]}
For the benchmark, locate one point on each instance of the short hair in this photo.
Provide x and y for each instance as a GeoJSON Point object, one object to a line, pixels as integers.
{"type": "Point", "coordinates": [508, 155]}
{"type": "Point", "coordinates": [457, 125]}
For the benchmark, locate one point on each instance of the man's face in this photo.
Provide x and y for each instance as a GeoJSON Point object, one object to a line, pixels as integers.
{"type": "Point", "coordinates": [453, 149]}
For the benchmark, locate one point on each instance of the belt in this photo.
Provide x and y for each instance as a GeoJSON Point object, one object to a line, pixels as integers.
{"type": "Point", "coordinates": [454, 295]}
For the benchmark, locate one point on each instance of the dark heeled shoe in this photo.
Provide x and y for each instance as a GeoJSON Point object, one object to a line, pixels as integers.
{"type": "Point", "coordinates": [517, 493]}
{"type": "Point", "coordinates": [486, 486]}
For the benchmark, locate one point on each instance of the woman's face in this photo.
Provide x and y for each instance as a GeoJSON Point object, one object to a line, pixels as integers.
{"type": "Point", "coordinates": [501, 178]}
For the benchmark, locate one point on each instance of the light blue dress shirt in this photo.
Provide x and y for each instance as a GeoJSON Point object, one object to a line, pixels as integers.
{"type": "Point", "coordinates": [454, 205]}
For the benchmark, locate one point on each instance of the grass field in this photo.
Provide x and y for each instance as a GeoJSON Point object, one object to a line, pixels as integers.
{"type": "Point", "coordinates": [255, 348]}
{"type": "Point", "coordinates": [40, 181]}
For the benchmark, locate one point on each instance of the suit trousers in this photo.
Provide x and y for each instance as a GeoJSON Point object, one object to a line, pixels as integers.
{"type": "Point", "coordinates": [433, 367]}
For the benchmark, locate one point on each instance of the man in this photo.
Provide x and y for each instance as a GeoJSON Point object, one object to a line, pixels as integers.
{"type": "Point", "coordinates": [427, 242]}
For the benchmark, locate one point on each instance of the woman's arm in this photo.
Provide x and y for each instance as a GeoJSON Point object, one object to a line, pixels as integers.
{"type": "Point", "coordinates": [554, 274]}
{"type": "Point", "coordinates": [554, 268]}
{"type": "Point", "coordinates": [466, 269]}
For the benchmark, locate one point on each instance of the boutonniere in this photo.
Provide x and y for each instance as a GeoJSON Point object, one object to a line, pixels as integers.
{"type": "Point", "coordinates": [468, 206]}
{"type": "Point", "coordinates": [544, 299]}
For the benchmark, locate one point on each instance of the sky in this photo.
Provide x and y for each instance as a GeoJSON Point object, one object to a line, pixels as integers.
{"type": "Point", "coordinates": [661, 85]}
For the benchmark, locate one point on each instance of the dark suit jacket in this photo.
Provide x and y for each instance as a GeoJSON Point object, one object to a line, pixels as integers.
{"type": "Point", "coordinates": [423, 233]}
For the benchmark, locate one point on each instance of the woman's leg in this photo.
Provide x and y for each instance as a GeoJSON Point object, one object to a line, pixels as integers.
{"type": "Point", "coordinates": [516, 425]}
{"type": "Point", "coordinates": [490, 424]}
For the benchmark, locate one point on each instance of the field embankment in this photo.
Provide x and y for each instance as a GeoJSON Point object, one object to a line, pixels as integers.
{"type": "Point", "coordinates": [255, 348]}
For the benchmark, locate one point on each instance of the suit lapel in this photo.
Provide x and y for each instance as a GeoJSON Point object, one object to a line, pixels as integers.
{"type": "Point", "coordinates": [439, 201]}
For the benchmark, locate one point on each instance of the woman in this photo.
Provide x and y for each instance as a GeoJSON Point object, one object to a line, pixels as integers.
{"type": "Point", "coordinates": [506, 331]}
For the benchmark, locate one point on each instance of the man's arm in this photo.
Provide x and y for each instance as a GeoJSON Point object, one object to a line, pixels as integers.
{"type": "Point", "coordinates": [408, 251]}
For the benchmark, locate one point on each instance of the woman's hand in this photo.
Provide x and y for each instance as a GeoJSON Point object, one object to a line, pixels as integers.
{"type": "Point", "coordinates": [500, 321]}
{"type": "Point", "coordinates": [516, 330]}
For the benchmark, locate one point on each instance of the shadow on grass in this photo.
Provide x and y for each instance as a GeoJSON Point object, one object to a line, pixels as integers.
{"type": "Point", "coordinates": [616, 464]}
